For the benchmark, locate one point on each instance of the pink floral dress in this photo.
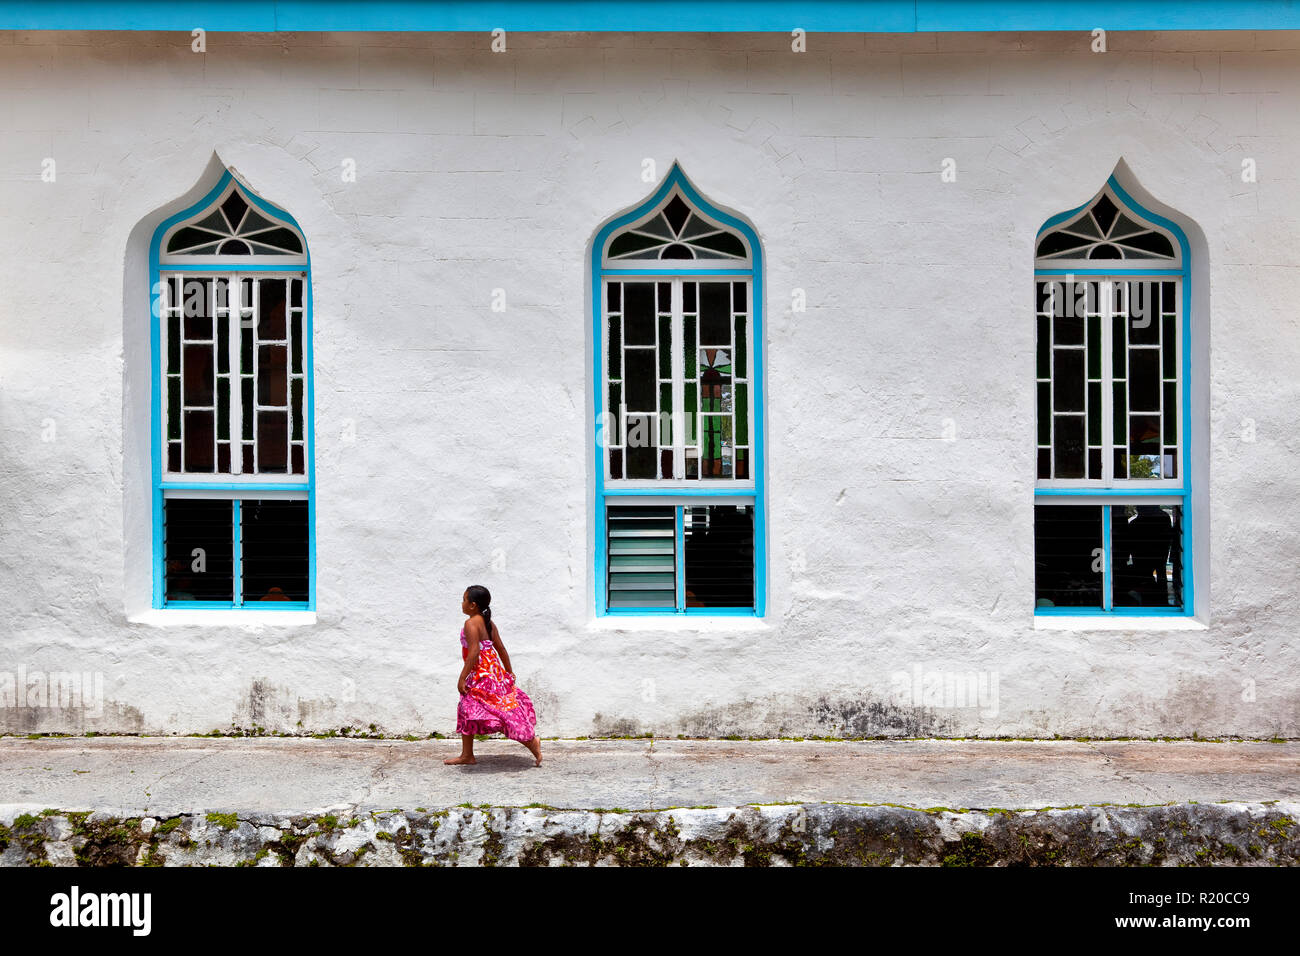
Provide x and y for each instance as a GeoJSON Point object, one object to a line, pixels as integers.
{"type": "Point", "coordinates": [493, 703]}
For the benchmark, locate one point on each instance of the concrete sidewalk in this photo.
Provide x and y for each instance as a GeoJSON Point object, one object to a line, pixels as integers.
{"type": "Point", "coordinates": [161, 776]}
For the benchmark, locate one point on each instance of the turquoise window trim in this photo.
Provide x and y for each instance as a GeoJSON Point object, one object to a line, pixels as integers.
{"type": "Point", "coordinates": [676, 178]}
{"type": "Point", "coordinates": [1184, 491]}
{"type": "Point", "coordinates": [822, 16]}
{"type": "Point", "coordinates": [252, 488]}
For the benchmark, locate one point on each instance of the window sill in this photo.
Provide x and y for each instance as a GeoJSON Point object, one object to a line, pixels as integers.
{"type": "Point", "coordinates": [169, 617]}
{"type": "Point", "coordinates": [1110, 622]}
{"type": "Point", "coordinates": [702, 623]}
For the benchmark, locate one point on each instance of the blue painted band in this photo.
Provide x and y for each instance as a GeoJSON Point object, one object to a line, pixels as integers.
{"type": "Point", "coordinates": [1117, 273]}
{"type": "Point", "coordinates": [678, 492]}
{"type": "Point", "coordinates": [230, 606]}
{"type": "Point", "coordinates": [668, 273]}
{"type": "Point", "coordinates": [1119, 612]}
{"type": "Point", "coordinates": [817, 16]}
{"type": "Point", "coordinates": [247, 490]}
{"type": "Point", "coordinates": [1110, 492]}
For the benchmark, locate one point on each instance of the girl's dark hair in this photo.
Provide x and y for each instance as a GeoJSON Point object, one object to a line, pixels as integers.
{"type": "Point", "coordinates": [477, 594]}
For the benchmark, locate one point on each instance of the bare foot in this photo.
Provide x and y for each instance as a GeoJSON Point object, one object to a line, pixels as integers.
{"type": "Point", "coordinates": [535, 747]}
{"type": "Point", "coordinates": [461, 759]}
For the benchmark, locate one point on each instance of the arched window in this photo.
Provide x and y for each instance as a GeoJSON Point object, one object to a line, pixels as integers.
{"type": "Point", "coordinates": [677, 320]}
{"type": "Point", "coordinates": [232, 406]}
{"type": "Point", "coordinates": [1112, 522]}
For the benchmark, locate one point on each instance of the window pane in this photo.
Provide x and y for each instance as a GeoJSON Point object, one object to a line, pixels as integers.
{"type": "Point", "coordinates": [173, 345]}
{"type": "Point", "coordinates": [297, 344]}
{"type": "Point", "coordinates": [615, 346]}
{"type": "Point", "coordinates": [1044, 365]}
{"type": "Point", "coordinates": [199, 441]}
{"type": "Point", "coordinates": [1143, 314]}
{"type": "Point", "coordinates": [272, 375]}
{"type": "Point", "coordinates": [1067, 556]}
{"type": "Point", "coordinates": [270, 324]}
{"type": "Point", "coordinates": [1068, 380]}
{"type": "Point", "coordinates": [199, 549]}
{"type": "Point", "coordinates": [272, 441]}
{"type": "Point", "coordinates": [639, 313]}
{"type": "Point", "coordinates": [719, 543]}
{"type": "Point", "coordinates": [173, 406]}
{"type": "Point", "coordinates": [296, 391]}
{"type": "Point", "coordinates": [1147, 555]}
{"type": "Point", "coordinates": [198, 375]}
{"type": "Point", "coordinates": [1144, 380]}
{"type": "Point", "coordinates": [223, 409]}
{"type": "Point", "coordinates": [715, 313]}
{"type": "Point", "coordinates": [1069, 446]}
{"type": "Point", "coordinates": [639, 381]}
{"type": "Point", "coordinates": [223, 345]}
{"type": "Point", "coordinates": [274, 556]}
{"type": "Point", "coordinates": [742, 346]}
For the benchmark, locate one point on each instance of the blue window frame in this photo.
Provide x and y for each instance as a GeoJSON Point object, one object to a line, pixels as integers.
{"type": "Point", "coordinates": [677, 320]}
{"type": "Point", "coordinates": [231, 406]}
{"type": "Point", "coordinates": [1112, 497]}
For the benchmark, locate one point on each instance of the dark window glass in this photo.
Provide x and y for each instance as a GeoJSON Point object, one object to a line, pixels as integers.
{"type": "Point", "coordinates": [1067, 556]}
{"type": "Point", "coordinates": [297, 344]}
{"type": "Point", "coordinates": [272, 441]}
{"type": "Point", "coordinates": [715, 313]}
{"type": "Point", "coordinates": [639, 313]}
{"type": "Point", "coordinates": [639, 380]}
{"type": "Point", "coordinates": [719, 555]}
{"type": "Point", "coordinates": [1069, 446]}
{"type": "Point", "coordinates": [205, 526]}
{"type": "Point", "coordinates": [198, 441]}
{"type": "Point", "coordinates": [1144, 380]}
{"type": "Point", "coordinates": [1068, 380]}
{"type": "Point", "coordinates": [271, 304]}
{"type": "Point", "coordinates": [1147, 557]}
{"type": "Point", "coordinates": [274, 558]}
{"type": "Point", "coordinates": [272, 375]}
{"type": "Point", "coordinates": [198, 375]}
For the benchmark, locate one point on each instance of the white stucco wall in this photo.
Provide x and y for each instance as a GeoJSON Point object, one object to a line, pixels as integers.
{"type": "Point", "coordinates": [889, 548]}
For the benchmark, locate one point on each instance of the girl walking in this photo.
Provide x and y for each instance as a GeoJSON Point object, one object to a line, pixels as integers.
{"type": "Point", "coordinates": [489, 700]}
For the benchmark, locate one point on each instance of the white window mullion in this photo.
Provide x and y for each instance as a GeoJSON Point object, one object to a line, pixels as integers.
{"type": "Point", "coordinates": [679, 388]}
{"type": "Point", "coordinates": [1107, 389]}
{"type": "Point", "coordinates": [235, 317]}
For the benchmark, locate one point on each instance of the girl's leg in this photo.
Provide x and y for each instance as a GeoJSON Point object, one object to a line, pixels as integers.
{"type": "Point", "coordinates": [535, 748]}
{"type": "Point", "coordinates": [467, 751]}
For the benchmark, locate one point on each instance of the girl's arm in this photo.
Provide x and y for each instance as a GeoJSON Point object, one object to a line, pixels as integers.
{"type": "Point", "coordinates": [471, 659]}
{"type": "Point", "coordinates": [501, 650]}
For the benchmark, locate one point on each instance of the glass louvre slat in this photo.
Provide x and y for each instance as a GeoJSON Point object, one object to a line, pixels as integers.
{"type": "Point", "coordinates": [1067, 546]}
{"type": "Point", "coordinates": [205, 526]}
{"type": "Point", "coordinates": [642, 565]}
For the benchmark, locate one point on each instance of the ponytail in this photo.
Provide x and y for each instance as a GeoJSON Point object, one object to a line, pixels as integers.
{"type": "Point", "coordinates": [482, 598]}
